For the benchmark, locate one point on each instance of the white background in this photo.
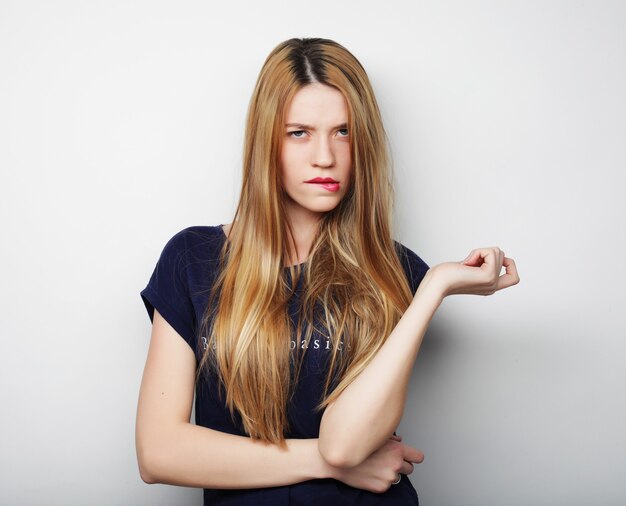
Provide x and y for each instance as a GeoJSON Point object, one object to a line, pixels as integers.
{"type": "Point", "coordinates": [121, 123]}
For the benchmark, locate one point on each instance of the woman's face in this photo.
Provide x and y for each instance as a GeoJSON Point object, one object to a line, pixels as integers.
{"type": "Point", "coordinates": [316, 144]}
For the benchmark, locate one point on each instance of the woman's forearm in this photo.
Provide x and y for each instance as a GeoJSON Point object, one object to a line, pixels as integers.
{"type": "Point", "coordinates": [195, 456]}
{"type": "Point", "coordinates": [368, 411]}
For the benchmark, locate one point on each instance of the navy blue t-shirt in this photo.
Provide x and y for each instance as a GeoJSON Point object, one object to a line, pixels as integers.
{"type": "Point", "coordinates": [179, 289]}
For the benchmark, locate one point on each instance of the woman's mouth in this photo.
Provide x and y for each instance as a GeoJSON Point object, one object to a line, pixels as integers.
{"type": "Point", "coordinates": [328, 183]}
{"type": "Point", "coordinates": [331, 187]}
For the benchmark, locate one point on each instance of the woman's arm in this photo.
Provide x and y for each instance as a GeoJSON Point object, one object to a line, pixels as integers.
{"type": "Point", "coordinates": [371, 407]}
{"type": "Point", "coordinates": [172, 450]}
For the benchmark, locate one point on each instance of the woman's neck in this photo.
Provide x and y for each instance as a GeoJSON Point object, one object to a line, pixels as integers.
{"type": "Point", "coordinates": [304, 226]}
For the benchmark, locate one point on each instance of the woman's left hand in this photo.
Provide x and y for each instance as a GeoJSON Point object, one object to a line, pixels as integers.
{"type": "Point", "coordinates": [477, 274]}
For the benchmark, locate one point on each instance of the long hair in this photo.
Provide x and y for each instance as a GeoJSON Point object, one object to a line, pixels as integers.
{"type": "Point", "coordinates": [353, 281]}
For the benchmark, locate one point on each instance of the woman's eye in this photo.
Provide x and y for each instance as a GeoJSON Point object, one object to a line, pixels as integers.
{"type": "Point", "coordinates": [345, 130]}
{"type": "Point", "coordinates": [296, 133]}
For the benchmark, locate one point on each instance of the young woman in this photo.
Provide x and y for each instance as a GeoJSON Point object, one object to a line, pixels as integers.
{"type": "Point", "coordinates": [297, 324]}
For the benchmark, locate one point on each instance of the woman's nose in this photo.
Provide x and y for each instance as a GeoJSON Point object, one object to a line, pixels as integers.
{"type": "Point", "coordinates": [323, 155]}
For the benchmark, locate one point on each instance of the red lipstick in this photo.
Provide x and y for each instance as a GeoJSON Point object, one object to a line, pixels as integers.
{"type": "Point", "coordinates": [322, 180]}
{"type": "Point", "coordinates": [328, 183]}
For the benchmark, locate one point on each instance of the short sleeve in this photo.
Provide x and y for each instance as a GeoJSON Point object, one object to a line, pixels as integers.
{"type": "Point", "coordinates": [414, 266]}
{"type": "Point", "coordinates": [168, 289]}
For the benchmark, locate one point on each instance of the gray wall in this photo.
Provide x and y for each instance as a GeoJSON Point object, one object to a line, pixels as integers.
{"type": "Point", "coordinates": [121, 123]}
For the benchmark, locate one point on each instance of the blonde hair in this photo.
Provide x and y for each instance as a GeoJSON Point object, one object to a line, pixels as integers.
{"type": "Point", "coordinates": [353, 279]}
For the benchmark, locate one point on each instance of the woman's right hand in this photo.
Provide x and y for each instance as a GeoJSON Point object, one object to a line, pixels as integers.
{"type": "Point", "coordinates": [378, 472]}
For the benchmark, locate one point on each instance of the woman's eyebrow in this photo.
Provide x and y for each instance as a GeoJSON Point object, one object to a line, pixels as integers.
{"type": "Point", "coordinates": [309, 127]}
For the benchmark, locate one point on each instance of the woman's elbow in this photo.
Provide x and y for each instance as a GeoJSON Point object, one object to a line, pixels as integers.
{"type": "Point", "coordinates": [156, 448]}
{"type": "Point", "coordinates": [149, 459]}
{"type": "Point", "coordinates": [146, 476]}
{"type": "Point", "coordinates": [145, 461]}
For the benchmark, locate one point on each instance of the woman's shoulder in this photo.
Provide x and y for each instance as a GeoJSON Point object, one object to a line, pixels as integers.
{"type": "Point", "coordinates": [199, 233]}
{"type": "Point", "coordinates": [414, 266]}
{"type": "Point", "coordinates": [407, 253]}
{"type": "Point", "coordinates": [196, 242]}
